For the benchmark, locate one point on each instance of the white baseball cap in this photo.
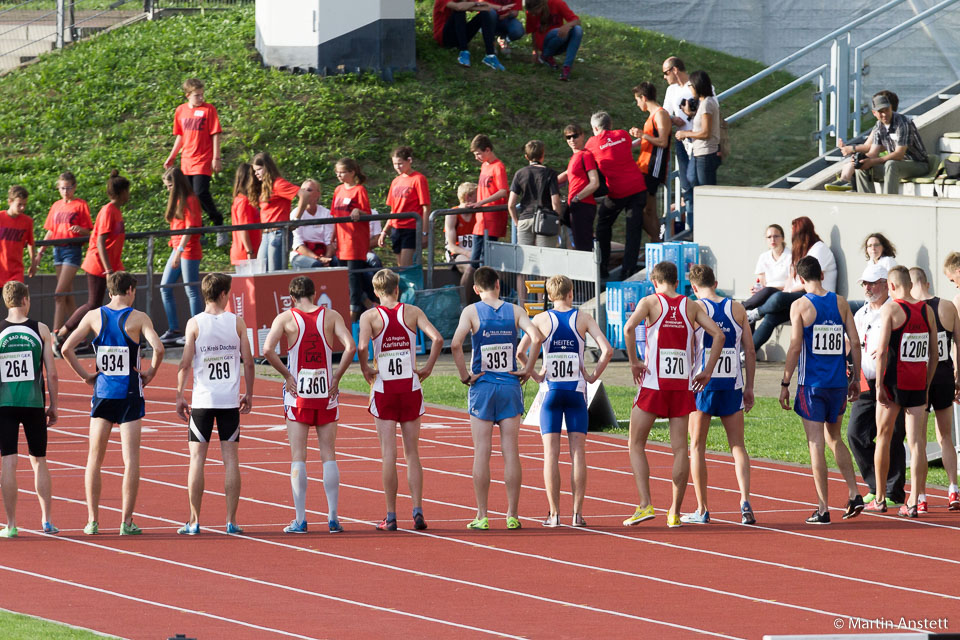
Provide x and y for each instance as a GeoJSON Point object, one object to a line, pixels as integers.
{"type": "Point", "coordinates": [873, 272]}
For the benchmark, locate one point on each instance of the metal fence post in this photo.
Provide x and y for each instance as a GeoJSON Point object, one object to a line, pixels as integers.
{"type": "Point", "coordinates": [418, 247]}
{"type": "Point", "coordinates": [149, 8]}
{"type": "Point", "coordinates": [60, 23]}
{"type": "Point", "coordinates": [601, 308]}
{"type": "Point", "coordinates": [840, 79]}
{"type": "Point", "coordinates": [431, 245]}
{"type": "Point", "coordinates": [149, 307]}
{"type": "Point", "coordinates": [284, 245]}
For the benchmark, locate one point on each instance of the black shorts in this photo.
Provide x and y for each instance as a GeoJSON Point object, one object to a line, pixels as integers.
{"type": "Point", "coordinates": [117, 410]}
{"type": "Point", "coordinates": [907, 398]}
{"type": "Point", "coordinates": [403, 239]}
{"type": "Point", "coordinates": [653, 183]}
{"type": "Point", "coordinates": [34, 421]}
{"type": "Point", "coordinates": [201, 424]}
{"type": "Point", "coordinates": [940, 396]}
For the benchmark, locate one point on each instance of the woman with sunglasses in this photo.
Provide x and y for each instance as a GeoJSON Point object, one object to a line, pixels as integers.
{"type": "Point", "coordinates": [583, 179]}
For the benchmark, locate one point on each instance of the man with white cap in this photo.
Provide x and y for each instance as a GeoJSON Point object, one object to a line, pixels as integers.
{"type": "Point", "coordinates": [862, 426]}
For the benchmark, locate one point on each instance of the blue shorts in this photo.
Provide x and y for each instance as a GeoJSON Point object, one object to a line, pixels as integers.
{"type": "Point", "coordinates": [564, 403]}
{"type": "Point", "coordinates": [720, 403]}
{"type": "Point", "coordinates": [117, 410]}
{"type": "Point", "coordinates": [70, 254]}
{"type": "Point", "coordinates": [820, 404]}
{"type": "Point", "coordinates": [495, 402]}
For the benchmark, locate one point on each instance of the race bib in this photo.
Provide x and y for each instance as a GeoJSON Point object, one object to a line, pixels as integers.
{"type": "Point", "coordinates": [113, 361]}
{"type": "Point", "coordinates": [395, 365]}
{"type": "Point", "coordinates": [312, 383]}
{"type": "Point", "coordinates": [219, 368]}
{"type": "Point", "coordinates": [465, 241]}
{"type": "Point", "coordinates": [496, 357]}
{"type": "Point", "coordinates": [673, 364]}
{"type": "Point", "coordinates": [563, 366]}
{"type": "Point", "coordinates": [828, 339]}
{"type": "Point", "coordinates": [943, 351]}
{"type": "Point", "coordinates": [16, 367]}
{"type": "Point", "coordinates": [913, 347]}
{"type": "Point", "coordinates": [727, 364]}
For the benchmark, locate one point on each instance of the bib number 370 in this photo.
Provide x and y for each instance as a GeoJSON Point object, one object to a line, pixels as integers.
{"type": "Point", "coordinates": [673, 364]}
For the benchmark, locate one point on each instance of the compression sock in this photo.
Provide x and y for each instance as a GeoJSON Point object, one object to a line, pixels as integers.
{"type": "Point", "coordinates": [953, 488]}
{"type": "Point", "coordinates": [417, 510]}
{"type": "Point", "coordinates": [922, 497]}
{"type": "Point", "coordinates": [331, 485]}
{"type": "Point", "coordinates": [298, 481]}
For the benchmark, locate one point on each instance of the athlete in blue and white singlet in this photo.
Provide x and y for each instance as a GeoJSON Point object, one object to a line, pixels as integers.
{"type": "Point", "coordinates": [566, 395]}
{"type": "Point", "coordinates": [118, 391]}
{"type": "Point", "coordinates": [822, 371]}
{"type": "Point", "coordinates": [723, 395]}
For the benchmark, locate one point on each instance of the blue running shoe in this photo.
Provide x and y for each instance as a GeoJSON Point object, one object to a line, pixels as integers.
{"type": "Point", "coordinates": [234, 529]}
{"type": "Point", "coordinates": [492, 62]}
{"type": "Point", "coordinates": [464, 59]}
{"type": "Point", "coordinates": [189, 529]}
{"type": "Point", "coordinates": [296, 527]}
{"type": "Point", "coordinates": [50, 529]}
{"type": "Point", "coordinates": [746, 514]}
{"type": "Point", "coordinates": [335, 526]}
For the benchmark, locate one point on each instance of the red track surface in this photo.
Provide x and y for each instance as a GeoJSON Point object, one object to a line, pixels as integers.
{"type": "Point", "coordinates": [719, 580]}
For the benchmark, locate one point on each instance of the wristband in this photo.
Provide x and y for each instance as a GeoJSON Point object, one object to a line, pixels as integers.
{"type": "Point", "coordinates": [785, 384]}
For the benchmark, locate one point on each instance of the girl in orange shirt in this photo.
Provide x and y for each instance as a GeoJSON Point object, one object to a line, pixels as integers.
{"type": "Point", "coordinates": [246, 195]}
{"type": "Point", "coordinates": [353, 238]}
{"type": "Point", "coordinates": [276, 198]}
{"type": "Point", "coordinates": [183, 212]}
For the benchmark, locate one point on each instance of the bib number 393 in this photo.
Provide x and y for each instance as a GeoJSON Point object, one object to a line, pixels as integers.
{"type": "Point", "coordinates": [16, 367]}
{"type": "Point", "coordinates": [673, 364]}
{"type": "Point", "coordinates": [496, 357]}
{"type": "Point", "coordinates": [312, 383]}
{"type": "Point", "coordinates": [913, 347]}
{"type": "Point", "coordinates": [395, 365]}
{"type": "Point", "coordinates": [114, 361]}
{"type": "Point", "coordinates": [828, 339]}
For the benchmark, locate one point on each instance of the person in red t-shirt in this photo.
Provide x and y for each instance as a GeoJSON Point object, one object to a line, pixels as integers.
{"type": "Point", "coordinates": [451, 28]}
{"type": "Point", "coordinates": [626, 190]}
{"type": "Point", "coordinates": [353, 238]}
{"type": "Point", "coordinates": [492, 190]}
{"type": "Point", "coordinates": [276, 199]}
{"type": "Point", "coordinates": [103, 252]}
{"type": "Point", "coordinates": [246, 195]}
{"type": "Point", "coordinates": [69, 217]}
{"type": "Point", "coordinates": [409, 193]}
{"type": "Point", "coordinates": [183, 212]}
{"type": "Point", "coordinates": [196, 126]}
{"type": "Point", "coordinates": [555, 28]}
{"type": "Point", "coordinates": [583, 179]}
{"type": "Point", "coordinates": [16, 232]}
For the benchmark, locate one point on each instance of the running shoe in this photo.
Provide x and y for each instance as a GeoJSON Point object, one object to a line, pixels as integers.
{"type": "Point", "coordinates": [479, 524]}
{"type": "Point", "coordinates": [170, 337]}
{"type": "Point", "coordinates": [335, 526]}
{"type": "Point", "coordinates": [552, 520]}
{"type": "Point", "coordinates": [954, 501]}
{"type": "Point", "coordinates": [387, 525]}
{"type": "Point", "coordinates": [130, 529]}
{"type": "Point", "coordinates": [513, 523]}
{"type": "Point", "coordinates": [854, 507]}
{"type": "Point", "coordinates": [234, 529]}
{"type": "Point", "coordinates": [504, 44]}
{"type": "Point", "coordinates": [419, 523]}
{"type": "Point", "coordinates": [819, 518]}
{"type": "Point", "coordinates": [641, 514]}
{"type": "Point", "coordinates": [492, 62]}
{"type": "Point", "coordinates": [189, 529]}
{"type": "Point", "coordinates": [753, 315]}
{"type": "Point", "coordinates": [92, 528]}
{"type": "Point", "coordinates": [50, 529]}
{"type": "Point", "coordinates": [578, 521]}
{"type": "Point", "coordinates": [870, 497]}
{"type": "Point", "coordinates": [464, 59]}
{"type": "Point", "coordinates": [746, 514]}
{"type": "Point", "coordinates": [875, 506]}
{"type": "Point", "coordinates": [838, 185]}
{"type": "Point", "coordinates": [893, 503]}
{"type": "Point", "coordinates": [9, 532]}
{"type": "Point", "coordinates": [565, 73]}
{"type": "Point", "coordinates": [922, 507]}
{"type": "Point", "coordinates": [696, 518]}
{"type": "Point", "coordinates": [548, 60]}
{"type": "Point", "coordinates": [296, 527]}
{"type": "Point", "coordinates": [908, 512]}
{"type": "Point", "coordinates": [673, 520]}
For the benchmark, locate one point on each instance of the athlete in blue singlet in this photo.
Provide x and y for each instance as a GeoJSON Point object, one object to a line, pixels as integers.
{"type": "Point", "coordinates": [495, 394]}
{"type": "Point", "coordinates": [118, 389]}
{"type": "Point", "coordinates": [820, 320]}
{"type": "Point", "coordinates": [564, 380]}
{"type": "Point", "coordinates": [726, 396]}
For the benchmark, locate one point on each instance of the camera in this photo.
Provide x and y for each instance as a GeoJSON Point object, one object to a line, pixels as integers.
{"type": "Point", "coordinates": [690, 105]}
{"type": "Point", "coordinates": [858, 159]}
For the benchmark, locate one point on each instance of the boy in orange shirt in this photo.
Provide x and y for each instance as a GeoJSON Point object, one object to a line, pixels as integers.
{"type": "Point", "coordinates": [196, 126]}
{"type": "Point", "coordinates": [16, 232]}
{"type": "Point", "coordinates": [492, 190]}
{"type": "Point", "coordinates": [409, 193]}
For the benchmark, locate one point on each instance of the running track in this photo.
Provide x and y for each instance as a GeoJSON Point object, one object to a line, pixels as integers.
{"type": "Point", "coordinates": [722, 580]}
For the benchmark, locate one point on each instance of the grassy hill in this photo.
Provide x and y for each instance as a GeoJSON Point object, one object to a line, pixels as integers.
{"type": "Point", "coordinates": [108, 102]}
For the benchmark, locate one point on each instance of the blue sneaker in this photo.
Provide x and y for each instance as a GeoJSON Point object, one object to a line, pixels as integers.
{"type": "Point", "coordinates": [189, 529]}
{"type": "Point", "coordinates": [335, 526]}
{"type": "Point", "coordinates": [296, 527]}
{"type": "Point", "coordinates": [464, 59]}
{"type": "Point", "coordinates": [234, 529]}
{"type": "Point", "coordinates": [746, 514]}
{"type": "Point", "coordinates": [695, 518]}
{"type": "Point", "coordinates": [492, 62]}
{"type": "Point", "coordinates": [50, 529]}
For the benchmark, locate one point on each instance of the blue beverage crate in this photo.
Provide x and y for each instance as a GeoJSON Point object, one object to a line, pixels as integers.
{"type": "Point", "coordinates": [657, 252]}
{"type": "Point", "coordinates": [622, 299]}
{"type": "Point", "coordinates": [689, 256]}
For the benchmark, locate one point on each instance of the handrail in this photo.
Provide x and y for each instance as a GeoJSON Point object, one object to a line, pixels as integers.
{"type": "Point", "coordinates": [432, 241]}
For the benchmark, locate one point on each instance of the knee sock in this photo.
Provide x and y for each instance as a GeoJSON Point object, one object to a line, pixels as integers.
{"type": "Point", "coordinates": [298, 481]}
{"type": "Point", "coordinates": [331, 485]}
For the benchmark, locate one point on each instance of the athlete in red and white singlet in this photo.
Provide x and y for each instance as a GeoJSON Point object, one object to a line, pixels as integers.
{"type": "Point", "coordinates": [666, 388]}
{"type": "Point", "coordinates": [309, 361]}
{"type": "Point", "coordinates": [396, 394]}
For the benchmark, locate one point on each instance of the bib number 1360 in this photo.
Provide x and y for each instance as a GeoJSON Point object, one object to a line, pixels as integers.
{"type": "Point", "coordinates": [312, 383]}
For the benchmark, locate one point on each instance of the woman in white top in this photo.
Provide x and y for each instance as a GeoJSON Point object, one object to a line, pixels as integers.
{"type": "Point", "coordinates": [879, 250]}
{"type": "Point", "coordinates": [773, 268]}
{"type": "Point", "coordinates": [313, 246]}
{"type": "Point", "coordinates": [706, 130]}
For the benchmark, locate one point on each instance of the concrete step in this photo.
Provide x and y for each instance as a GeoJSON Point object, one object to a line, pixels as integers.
{"type": "Point", "coordinates": [949, 145]}
{"type": "Point", "coordinates": [35, 31]}
{"type": "Point", "coordinates": [25, 47]}
{"type": "Point", "coordinates": [12, 61]}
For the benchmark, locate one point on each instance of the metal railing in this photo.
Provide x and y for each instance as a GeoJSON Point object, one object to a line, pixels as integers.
{"type": "Point", "coordinates": [432, 239]}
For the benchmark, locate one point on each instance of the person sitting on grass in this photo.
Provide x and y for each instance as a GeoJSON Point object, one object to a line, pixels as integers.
{"type": "Point", "coordinates": [452, 29]}
{"type": "Point", "coordinates": [555, 28]}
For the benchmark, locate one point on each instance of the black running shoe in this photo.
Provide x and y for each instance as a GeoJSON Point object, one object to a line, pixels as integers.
{"type": "Point", "coordinates": [819, 518]}
{"type": "Point", "coordinates": [387, 525]}
{"type": "Point", "coordinates": [854, 507]}
{"type": "Point", "coordinates": [418, 522]}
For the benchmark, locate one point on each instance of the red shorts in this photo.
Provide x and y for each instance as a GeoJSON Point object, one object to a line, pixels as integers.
{"type": "Point", "coordinates": [312, 417]}
{"type": "Point", "coordinates": [666, 404]}
{"type": "Point", "coordinates": [398, 407]}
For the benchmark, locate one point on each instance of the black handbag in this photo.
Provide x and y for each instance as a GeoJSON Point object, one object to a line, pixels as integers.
{"type": "Point", "coordinates": [546, 222]}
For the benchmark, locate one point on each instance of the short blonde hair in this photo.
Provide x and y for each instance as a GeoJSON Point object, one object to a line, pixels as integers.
{"type": "Point", "coordinates": [15, 293]}
{"type": "Point", "coordinates": [385, 281]}
{"type": "Point", "coordinates": [192, 84]}
{"type": "Point", "coordinates": [558, 287]}
{"type": "Point", "coordinates": [465, 189]}
{"type": "Point", "coordinates": [952, 262]}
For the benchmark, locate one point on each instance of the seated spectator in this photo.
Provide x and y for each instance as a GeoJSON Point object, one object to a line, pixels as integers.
{"type": "Point", "coordinates": [246, 195]}
{"type": "Point", "coordinates": [773, 268]}
{"type": "Point", "coordinates": [313, 245]}
{"type": "Point", "coordinates": [626, 189]}
{"type": "Point", "coordinates": [583, 179]}
{"type": "Point", "coordinates": [533, 187]}
{"type": "Point", "coordinates": [906, 156]}
{"type": "Point", "coordinates": [458, 232]}
{"type": "Point", "coordinates": [776, 310]}
{"type": "Point", "coordinates": [555, 28]}
{"type": "Point", "coordinates": [452, 29]}
{"type": "Point", "coordinates": [408, 193]}
{"type": "Point", "coordinates": [508, 29]}
{"type": "Point", "coordinates": [847, 170]}
{"type": "Point", "coordinates": [654, 143]}
{"type": "Point", "coordinates": [879, 250]}
{"type": "Point", "coordinates": [705, 133]}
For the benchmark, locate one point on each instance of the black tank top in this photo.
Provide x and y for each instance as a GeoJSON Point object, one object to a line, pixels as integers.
{"type": "Point", "coordinates": [944, 372]}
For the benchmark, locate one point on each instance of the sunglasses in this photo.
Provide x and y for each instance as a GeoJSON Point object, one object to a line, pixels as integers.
{"type": "Point", "coordinates": [572, 136]}
{"type": "Point", "coordinates": [666, 71]}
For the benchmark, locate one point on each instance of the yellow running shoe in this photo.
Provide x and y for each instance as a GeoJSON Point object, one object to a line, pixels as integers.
{"type": "Point", "coordinates": [673, 520]}
{"type": "Point", "coordinates": [479, 524]}
{"type": "Point", "coordinates": [513, 523]}
{"type": "Point", "coordinates": [641, 514]}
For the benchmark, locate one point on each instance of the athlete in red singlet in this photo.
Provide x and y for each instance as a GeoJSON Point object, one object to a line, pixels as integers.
{"type": "Point", "coordinates": [310, 391]}
{"type": "Point", "coordinates": [906, 362]}
{"type": "Point", "coordinates": [666, 382]}
{"type": "Point", "coordinates": [395, 393]}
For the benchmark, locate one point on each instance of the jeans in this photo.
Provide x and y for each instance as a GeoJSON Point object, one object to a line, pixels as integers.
{"type": "Point", "coordinates": [190, 271]}
{"type": "Point", "coordinates": [554, 44]}
{"type": "Point", "coordinates": [510, 28]}
{"type": "Point", "coordinates": [305, 262]}
{"type": "Point", "coordinates": [686, 182]}
{"type": "Point", "coordinates": [707, 168]}
{"type": "Point", "coordinates": [774, 312]}
{"type": "Point", "coordinates": [457, 32]}
{"type": "Point", "coordinates": [201, 187]}
{"type": "Point", "coordinates": [271, 250]}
